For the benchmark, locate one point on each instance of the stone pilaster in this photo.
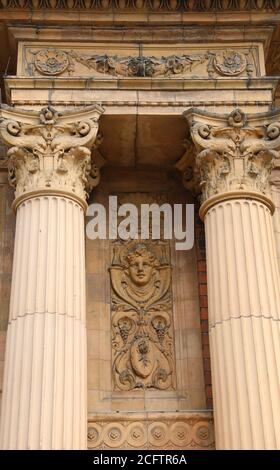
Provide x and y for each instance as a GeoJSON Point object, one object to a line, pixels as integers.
{"type": "Point", "coordinates": [45, 381]}
{"type": "Point", "coordinates": [234, 158]}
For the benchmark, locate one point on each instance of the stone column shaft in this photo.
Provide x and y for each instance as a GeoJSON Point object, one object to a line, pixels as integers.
{"type": "Point", "coordinates": [235, 156]}
{"type": "Point", "coordinates": [244, 307]}
{"type": "Point", "coordinates": [45, 378]}
{"type": "Point", "coordinates": [275, 192]}
{"type": "Point", "coordinates": [44, 402]}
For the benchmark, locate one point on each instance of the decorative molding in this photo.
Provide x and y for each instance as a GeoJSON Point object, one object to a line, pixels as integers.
{"type": "Point", "coordinates": [152, 104]}
{"type": "Point", "coordinates": [139, 83]}
{"type": "Point", "coordinates": [228, 63]}
{"type": "Point", "coordinates": [50, 151]}
{"type": "Point", "coordinates": [149, 5]}
{"type": "Point", "coordinates": [157, 431]}
{"type": "Point", "coordinates": [234, 155]}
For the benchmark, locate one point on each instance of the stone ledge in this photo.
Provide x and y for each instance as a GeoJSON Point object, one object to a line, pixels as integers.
{"type": "Point", "coordinates": [142, 83]}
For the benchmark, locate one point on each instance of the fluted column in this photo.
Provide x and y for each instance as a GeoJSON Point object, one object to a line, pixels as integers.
{"type": "Point", "coordinates": [275, 192]}
{"type": "Point", "coordinates": [235, 155]}
{"type": "Point", "coordinates": [45, 379]}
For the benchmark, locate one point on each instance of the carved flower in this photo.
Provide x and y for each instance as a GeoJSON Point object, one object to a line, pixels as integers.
{"type": "Point", "coordinates": [157, 433]}
{"type": "Point", "coordinates": [136, 67]}
{"type": "Point", "coordinates": [51, 61]}
{"type": "Point", "coordinates": [230, 62]}
{"type": "Point", "coordinates": [48, 115]}
{"type": "Point", "coordinates": [237, 118]}
{"type": "Point", "coordinates": [181, 435]}
{"type": "Point", "coordinates": [114, 434]}
{"type": "Point", "coordinates": [137, 433]}
{"type": "Point", "coordinates": [92, 434]}
{"type": "Point", "coordinates": [202, 433]}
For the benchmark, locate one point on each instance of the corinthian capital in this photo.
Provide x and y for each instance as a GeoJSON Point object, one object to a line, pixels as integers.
{"type": "Point", "coordinates": [49, 152]}
{"type": "Point", "coordinates": [234, 155]}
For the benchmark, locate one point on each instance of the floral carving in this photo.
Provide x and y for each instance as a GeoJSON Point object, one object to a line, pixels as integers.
{"type": "Point", "coordinates": [140, 66]}
{"type": "Point", "coordinates": [230, 62]}
{"type": "Point", "coordinates": [232, 155]}
{"type": "Point", "coordinates": [51, 61]}
{"type": "Point", "coordinates": [54, 62]}
{"type": "Point", "coordinates": [51, 153]}
{"type": "Point", "coordinates": [141, 321]}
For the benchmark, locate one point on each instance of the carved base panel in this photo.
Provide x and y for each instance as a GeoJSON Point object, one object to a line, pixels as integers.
{"type": "Point", "coordinates": [185, 430]}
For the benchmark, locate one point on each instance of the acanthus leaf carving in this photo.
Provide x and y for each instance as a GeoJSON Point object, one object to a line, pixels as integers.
{"type": "Point", "coordinates": [231, 154]}
{"type": "Point", "coordinates": [51, 152]}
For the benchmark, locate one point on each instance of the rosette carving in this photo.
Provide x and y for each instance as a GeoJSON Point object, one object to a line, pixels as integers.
{"type": "Point", "coordinates": [51, 61]}
{"type": "Point", "coordinates": [50, 152]}
{"type": "Point", "coordinates": [230, 63]}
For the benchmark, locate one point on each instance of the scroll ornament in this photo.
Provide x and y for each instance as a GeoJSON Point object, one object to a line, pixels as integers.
{"type": "Point", "coordinates": [51, 153]}
{"type": "Point", "coordinates": [232, 157]}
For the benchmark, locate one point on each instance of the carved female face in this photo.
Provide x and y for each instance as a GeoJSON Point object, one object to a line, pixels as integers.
{"type": "Point", "coordinates": [140, 269]}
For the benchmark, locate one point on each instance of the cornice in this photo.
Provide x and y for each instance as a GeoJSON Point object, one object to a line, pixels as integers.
{"type": "Point", "coordinates": [146, 5]}
{"type": "Point", "coordinates": [125, 12]}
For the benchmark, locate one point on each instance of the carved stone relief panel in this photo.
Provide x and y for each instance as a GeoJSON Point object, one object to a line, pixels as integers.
{"type": "Point", "coordinates": [172, 431]}
{"type": "Point", "coordinates": [141, 307]}
{"type": "Point", "coordinates": [99, 60]}
{"type": "Point", "coordinates": [115, 314]}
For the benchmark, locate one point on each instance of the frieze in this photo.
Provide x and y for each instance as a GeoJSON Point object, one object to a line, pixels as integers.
{"type": "Point", "coordinates": [53, 61]}
{"type": "Point", "coordinates": [171, 431]}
